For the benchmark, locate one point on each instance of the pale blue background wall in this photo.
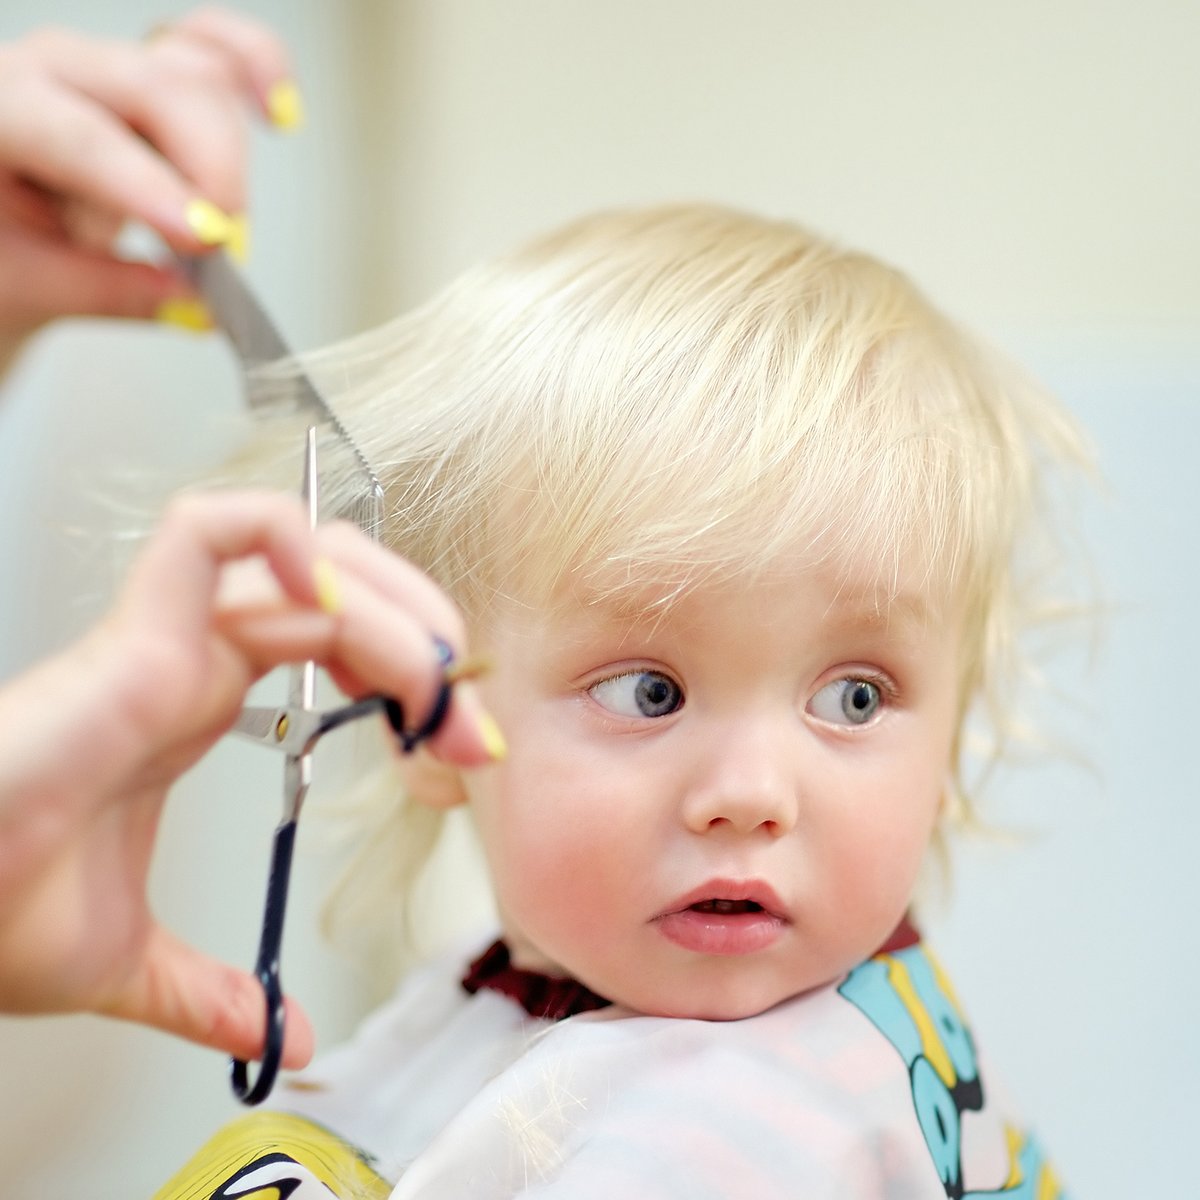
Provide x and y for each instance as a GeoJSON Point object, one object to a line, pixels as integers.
{"type": "Point", "coordinates": [1033, 166]}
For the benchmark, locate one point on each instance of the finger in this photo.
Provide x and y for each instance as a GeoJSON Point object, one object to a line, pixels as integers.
{"type": "Point", "coordinates": [201, 130]}
{"type": "Point", "coordinates": [192, 102]}
{"type": "Point", "coordinates": [173, 583]}
{"type": "Point", "coordinates": [196, 997]}
{"type": "Point", "coordinates": [54, 278]}
{"type": "Point", "coordinates": [89, 227]}
{"type": "Point", "coordinates": [367, 657]}
{"type": "Point", "coordinates": [384, 640]}
{"type": "Point", "coordinates": [374, 634]}
{"type": "Point", "coordinates": [395, 578]}
{"type": "Point", "coordinates": [470, 736]}
{"type": "Point", "coordinates": [389, 617]}
{"type": "Point", "coordinates": [70, 120]}
{"type": "Point", "coordinates": [371, 645]}
{"type": "Point", "coordinates": [25, 204]}
{"type": "Point", "coordinates": [390, 613]}
{"type": "Point", "coordinates": [201, 532]}
{"type": "Point", "coordinates": [74, 147]}
{"type": "Point", "coordinates": [253, 49]}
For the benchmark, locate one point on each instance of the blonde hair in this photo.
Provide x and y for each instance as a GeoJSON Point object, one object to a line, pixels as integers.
{"type": "Point", "coordinates": [685, 393]}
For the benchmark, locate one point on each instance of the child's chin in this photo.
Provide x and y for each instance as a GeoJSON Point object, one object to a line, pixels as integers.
{"type": "Point", "coordinates": [726, 1004]}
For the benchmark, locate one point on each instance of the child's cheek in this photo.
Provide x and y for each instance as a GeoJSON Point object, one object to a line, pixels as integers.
{"type": "Point", "coordinates": [561, 841]}
{"type": "Point", "coordinates": [884, 854]}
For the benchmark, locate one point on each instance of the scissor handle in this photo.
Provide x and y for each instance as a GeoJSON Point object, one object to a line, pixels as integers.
{"type": "Point", "coordinates": [266, 968]}
{"type": "Point", "coordinates": [410, 739]}
{"type": "Point", "coordinates": [267, 971]}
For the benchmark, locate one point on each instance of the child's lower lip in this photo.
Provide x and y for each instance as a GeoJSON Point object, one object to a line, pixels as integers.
{"type": "Point", "coordinates": [721, 933]}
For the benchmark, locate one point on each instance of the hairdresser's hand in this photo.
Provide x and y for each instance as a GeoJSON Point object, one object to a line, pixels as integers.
{"type": "Point", "coordinates": [230, 586]}
{"type": "Point", "coordinates": [96, 132]}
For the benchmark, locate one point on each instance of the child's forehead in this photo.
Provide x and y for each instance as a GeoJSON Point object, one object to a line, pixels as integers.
{"type": "Point", "coordinates": [844, 596]}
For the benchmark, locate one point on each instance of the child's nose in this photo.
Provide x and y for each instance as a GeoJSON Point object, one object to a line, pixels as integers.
{"type": "Point", "coordinates": [745, 782]}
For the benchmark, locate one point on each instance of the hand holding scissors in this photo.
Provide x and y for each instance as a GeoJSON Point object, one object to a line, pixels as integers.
{"type": "Point", "coordinates": [92, 740]}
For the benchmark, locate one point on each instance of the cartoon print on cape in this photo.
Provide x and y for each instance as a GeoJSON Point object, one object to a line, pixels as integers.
{"type": "Point", "coordinates": [908, 998]}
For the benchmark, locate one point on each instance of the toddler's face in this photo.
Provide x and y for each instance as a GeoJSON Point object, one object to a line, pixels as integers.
{"type": "Point", "coordinates": [706, 812]}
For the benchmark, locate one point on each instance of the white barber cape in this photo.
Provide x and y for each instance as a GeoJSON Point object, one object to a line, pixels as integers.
{"type": "Point", "coordinates": [867, 1089]}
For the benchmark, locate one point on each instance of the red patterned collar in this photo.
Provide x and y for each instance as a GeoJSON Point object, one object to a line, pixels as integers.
{"type": "Point", "coordinates": [553, 999]}
{"type": "Point", "coordinates": [539, 995]}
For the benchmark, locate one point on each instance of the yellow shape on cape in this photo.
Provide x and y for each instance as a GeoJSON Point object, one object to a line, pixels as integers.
{"type": "Point", "coordinates": [269, 1139]}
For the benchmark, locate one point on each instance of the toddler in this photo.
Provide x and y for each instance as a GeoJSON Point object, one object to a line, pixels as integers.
{"type": "Point", "coordinates": [735, 514]}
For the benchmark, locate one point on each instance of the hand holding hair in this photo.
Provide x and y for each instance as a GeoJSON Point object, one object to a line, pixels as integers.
{"type": "Point", "coordinates": [229, 586]}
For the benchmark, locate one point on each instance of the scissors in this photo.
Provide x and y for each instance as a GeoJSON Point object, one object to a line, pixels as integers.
{"type": "Point", "coordinates": [295, 727]}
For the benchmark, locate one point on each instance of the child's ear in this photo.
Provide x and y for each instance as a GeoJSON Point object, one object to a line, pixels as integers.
{"type": "Point", "coordinates": [429, 781]}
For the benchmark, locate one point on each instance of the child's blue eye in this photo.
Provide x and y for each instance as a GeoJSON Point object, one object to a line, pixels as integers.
{"type": "Point", "coordinates": [638, 694]}
{"type": "Point", "coordinates": [847, 702]}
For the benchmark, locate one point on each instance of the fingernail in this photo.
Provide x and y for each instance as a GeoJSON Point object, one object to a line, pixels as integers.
{"type": "Point", "coordinates": [208, 223]}
{"type": "Point", "coordinates": [285, 108]}
{"type": "Point", "coordinates": [493, 739]}
{"type": "Point", "coordinates": [185, 313]}
{"type": "Point", "coordinates": [237, 245]}
{"type": "Point", "coordinates": [329, 595]}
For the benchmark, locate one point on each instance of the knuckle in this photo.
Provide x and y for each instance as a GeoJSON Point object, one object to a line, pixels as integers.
{"type": "Point", "coordinates": [183, 510]}
{"type": "Point", "coordinates": [191, 66]}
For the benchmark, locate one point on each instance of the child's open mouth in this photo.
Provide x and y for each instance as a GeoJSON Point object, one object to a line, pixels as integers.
{"type": "Point", "coordinates": [726, 906]}
{"type": "Point", "coordinates": [725, 918]}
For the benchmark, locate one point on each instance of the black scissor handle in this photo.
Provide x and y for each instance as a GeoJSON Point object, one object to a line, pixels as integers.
{"type": "Point", "coordinates": [410, 739]}
{"type": "Point", "coordinates": [267, 971]}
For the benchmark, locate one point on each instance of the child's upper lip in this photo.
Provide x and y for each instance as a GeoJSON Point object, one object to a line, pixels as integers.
{"type": "Point", "coordinates": [755, 891]}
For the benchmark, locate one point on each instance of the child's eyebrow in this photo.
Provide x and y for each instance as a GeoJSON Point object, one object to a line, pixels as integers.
{"type": "Point", "coordinates": [857, 607]}
{"type": "Point", "coordinates": [874, 611]}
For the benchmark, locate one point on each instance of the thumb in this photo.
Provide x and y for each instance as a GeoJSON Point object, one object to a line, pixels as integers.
{"type": "Point", "coordinates": [196, 997]}
{"type": "Point", "coordinates": [59, 279]}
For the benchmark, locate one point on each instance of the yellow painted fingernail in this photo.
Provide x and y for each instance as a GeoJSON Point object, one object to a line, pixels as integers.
{"type": "Point", "coordinates": [185, 313]}
{"type": "Point", "coordinates": [285, 108]}
{"type": "Point", "coordinates": [329, 595]}
{"type": "Point", "coordinates": [237, 244]}
{"type": "Point", "coordinates": [208, 223]}
{"type": "Point", "coordinates": [493, 739]}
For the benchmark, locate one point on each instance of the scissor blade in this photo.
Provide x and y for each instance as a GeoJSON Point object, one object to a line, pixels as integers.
{"type": "Point", "coordinates": [260, 724]}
